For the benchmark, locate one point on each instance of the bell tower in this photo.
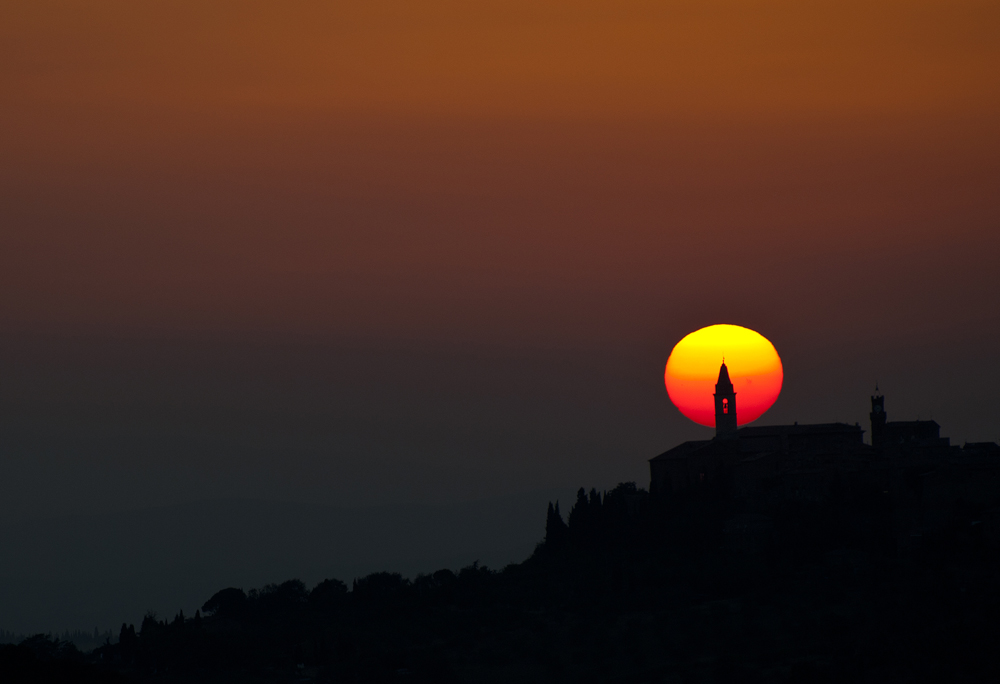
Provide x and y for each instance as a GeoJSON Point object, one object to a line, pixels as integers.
{"type": "Point", "coordinates": [878, 418]}
{"type": "Point", "coordinates": [725, 405]}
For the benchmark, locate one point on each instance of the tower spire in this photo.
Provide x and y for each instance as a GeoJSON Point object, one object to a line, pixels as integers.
{"type": "Point", "coordinates": [725, 404]}
{"type": "Point", "coordinates": [878, 419]}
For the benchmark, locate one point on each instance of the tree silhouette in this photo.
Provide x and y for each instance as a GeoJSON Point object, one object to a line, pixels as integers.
{"type": "Point", "coordinates": [230, 602]}
{"type": "Point", "coordinates": [578, 514]}
{"type": "Point", "coordinates": [329, 593]}
{"type": "Point", "coordinates": [556, 530]}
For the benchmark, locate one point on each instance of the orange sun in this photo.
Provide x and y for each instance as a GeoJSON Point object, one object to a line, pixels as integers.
{"type": "Point", "coordinates": [693, 369]}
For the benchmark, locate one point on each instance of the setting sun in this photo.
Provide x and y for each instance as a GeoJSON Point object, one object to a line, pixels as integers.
{"type": "Point", "coordinates": [693, 369]}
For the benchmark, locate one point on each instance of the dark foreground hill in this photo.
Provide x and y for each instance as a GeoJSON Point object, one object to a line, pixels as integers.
{"type": "Point", "coordinates": [102, 569]}
{"type": "Point", "coordinates": [693, 588]}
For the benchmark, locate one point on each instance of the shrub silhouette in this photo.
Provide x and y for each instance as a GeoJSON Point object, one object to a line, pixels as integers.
{"type": "Point", "coordinates": [230, 602]}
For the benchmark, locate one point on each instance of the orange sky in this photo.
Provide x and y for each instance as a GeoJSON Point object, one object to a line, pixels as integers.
{"type": "Point", "coordinates": [524, 170]}
{"type": "Point", "coordinates": [625, 59]}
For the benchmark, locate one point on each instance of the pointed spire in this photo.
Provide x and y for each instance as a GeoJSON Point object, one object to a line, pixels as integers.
{"type": "Point", "coordinates": [724, 380]}
{"type": "Point", "coordinates": [725, 404]}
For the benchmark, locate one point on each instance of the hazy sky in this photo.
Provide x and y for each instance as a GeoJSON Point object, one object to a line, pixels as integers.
{"type": "Point", "coordinates": [425, 251]}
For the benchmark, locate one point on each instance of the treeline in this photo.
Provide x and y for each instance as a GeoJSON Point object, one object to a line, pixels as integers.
{"type": "Point", "coordinates": [385, 626]}
{"type": "Point", "coordinates": [82, 639]}
{"type": "Point", "coordinates": [11, 637]}
{"type": "Point", "coordinates": [43, 658]}
{"type": "Point", "coordinates": [698, 586]}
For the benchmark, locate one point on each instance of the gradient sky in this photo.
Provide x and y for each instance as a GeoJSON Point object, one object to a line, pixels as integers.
{"type": "Point", "coordinates": [376, 251]}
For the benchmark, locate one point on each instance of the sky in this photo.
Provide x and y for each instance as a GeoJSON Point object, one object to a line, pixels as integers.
{"type": "Point", "coordinates": [383, 252]}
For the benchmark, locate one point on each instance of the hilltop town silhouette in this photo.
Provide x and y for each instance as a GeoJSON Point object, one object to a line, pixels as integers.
{"type": "Point", "coordinates": [786, 553]}
{"type": "Point", "coordinates": [765, 463]}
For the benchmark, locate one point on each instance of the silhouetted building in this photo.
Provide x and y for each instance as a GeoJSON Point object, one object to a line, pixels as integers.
{"type": "Point", "coordinates": [747, 454]}
{"type": "Point", "coordinates": [802, 460]}
{"type": "Point", "coordinates": [877, 417]}
{"type": "Point", "coordinates": [907, 434]}
{"type": "Point", "coordinates": [750, 453]}
{"type": "Point", "coordinates": [832, 438]}
{"type": "Point", "coordinates": [990, 449]}
{"type": "Point", "coordinates": [725, 405]}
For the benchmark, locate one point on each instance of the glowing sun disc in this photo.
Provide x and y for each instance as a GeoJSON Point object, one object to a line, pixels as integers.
{"type": "Point", "coordinates": [693, 369]}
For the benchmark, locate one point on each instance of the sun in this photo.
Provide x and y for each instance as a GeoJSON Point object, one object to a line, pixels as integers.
{"type": "Point", "coordinates": [693, 369]}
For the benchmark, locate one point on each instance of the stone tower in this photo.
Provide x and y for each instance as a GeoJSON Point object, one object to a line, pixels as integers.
{"type": "Point", "coordinates": [878, 419]}
{"type": "Point", "coordinates": [725, 405]}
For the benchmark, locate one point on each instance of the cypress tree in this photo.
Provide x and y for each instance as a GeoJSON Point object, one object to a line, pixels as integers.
{"type": "Point", "coordinates": [555, 528]}
{"type": "Point", "coordinates": [578, 516]}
